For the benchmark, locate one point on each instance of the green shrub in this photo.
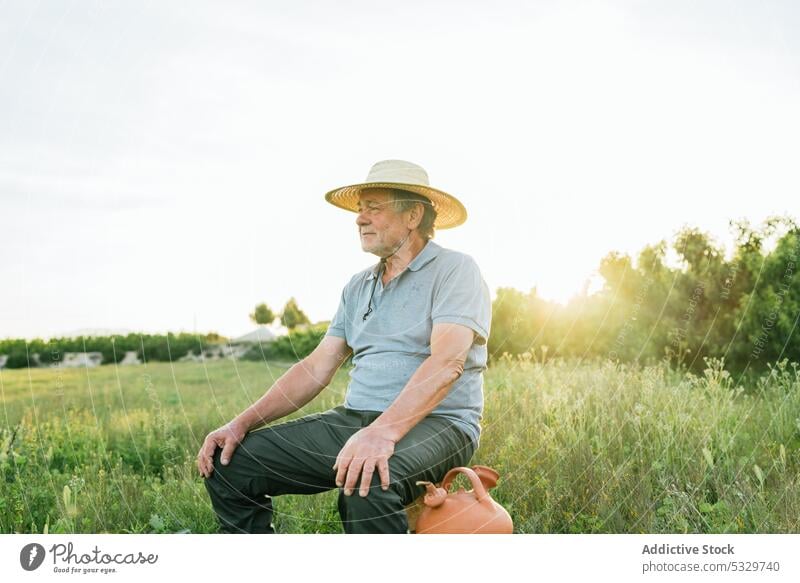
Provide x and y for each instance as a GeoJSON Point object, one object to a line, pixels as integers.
{"type": "Point", "coordinates": [294, 346]}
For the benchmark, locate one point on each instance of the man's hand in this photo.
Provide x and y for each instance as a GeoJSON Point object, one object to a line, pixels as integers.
{"type": "Point", "coordinates": [366, 450]}
{"type": "Point", "coordinates": [228, 437]}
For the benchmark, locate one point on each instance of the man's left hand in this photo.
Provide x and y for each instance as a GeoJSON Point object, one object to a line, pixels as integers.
{"type": "Point", "coordinates": [366, 450]}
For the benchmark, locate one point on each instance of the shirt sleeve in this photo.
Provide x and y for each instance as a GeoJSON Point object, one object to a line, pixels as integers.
{"type": "Point", "coordinates": [463, 298]}
{"type": "Point", "coordinates": [337, 325]}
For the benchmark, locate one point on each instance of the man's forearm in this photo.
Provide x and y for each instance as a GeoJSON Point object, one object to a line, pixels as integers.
{"type": "Point", "coordinates": [296, 387]}
{"type": "Point", "coordinates": [425, 389]}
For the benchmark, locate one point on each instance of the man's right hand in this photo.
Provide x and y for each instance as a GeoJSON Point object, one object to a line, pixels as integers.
{"type": "Point", "coordinates": [228, 437]}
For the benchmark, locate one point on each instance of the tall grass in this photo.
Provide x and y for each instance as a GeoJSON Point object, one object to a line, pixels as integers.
{"type": "Point", "coordinates": [581, 447]}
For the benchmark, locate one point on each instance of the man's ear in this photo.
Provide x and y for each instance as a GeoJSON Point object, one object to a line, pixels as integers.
{"type": "Point", "coordinates": [417, 212]}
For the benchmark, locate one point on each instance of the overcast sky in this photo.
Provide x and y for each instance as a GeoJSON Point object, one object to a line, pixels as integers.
{"type": "Point", "coordinates": [163, 165]}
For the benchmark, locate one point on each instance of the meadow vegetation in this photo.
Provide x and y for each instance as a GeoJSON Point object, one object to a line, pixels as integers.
{"type": "Point", "coordinates": [581, 446]}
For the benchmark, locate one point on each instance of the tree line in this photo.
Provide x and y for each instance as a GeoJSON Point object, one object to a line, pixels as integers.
{"type": "Point", "coordinates": [742, 309]}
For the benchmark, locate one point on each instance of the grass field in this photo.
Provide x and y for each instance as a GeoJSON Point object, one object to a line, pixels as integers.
{"type": "Point", "coordinates": [581, 448]}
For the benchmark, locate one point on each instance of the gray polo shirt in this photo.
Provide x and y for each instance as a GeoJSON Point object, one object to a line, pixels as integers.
{"type": "Point", "coordinates": [439, 285]}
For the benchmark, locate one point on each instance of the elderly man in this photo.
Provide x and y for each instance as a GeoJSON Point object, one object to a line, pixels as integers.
{"type": "Point", "coordinates": [417, 325]}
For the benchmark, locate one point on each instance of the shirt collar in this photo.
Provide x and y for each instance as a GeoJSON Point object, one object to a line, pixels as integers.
{"type": "Point", "coordinates": [429, 251]}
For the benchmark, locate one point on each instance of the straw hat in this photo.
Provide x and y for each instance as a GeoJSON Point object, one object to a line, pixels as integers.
{"type": "Point", "coordinates": [405, 176]}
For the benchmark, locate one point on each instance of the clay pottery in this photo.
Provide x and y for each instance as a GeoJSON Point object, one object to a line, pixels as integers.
{"type": "Point", "coordinates": [463, 512]}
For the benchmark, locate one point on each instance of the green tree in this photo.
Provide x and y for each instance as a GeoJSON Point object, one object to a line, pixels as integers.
{"type": "Point", "coordinates": [293, 316]}
{"type": "Point", "coordinates": [262, 314]}
{"type": "Point", "coordinates": [519, 322]}
{"type": "Point", "coordinates": [767, 313]}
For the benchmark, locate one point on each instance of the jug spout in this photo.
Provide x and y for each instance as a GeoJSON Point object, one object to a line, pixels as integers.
{"type": "Point", "coordinates": [433, 496]}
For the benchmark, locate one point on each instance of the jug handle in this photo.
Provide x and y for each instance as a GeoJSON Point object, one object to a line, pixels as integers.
{"type": "Point", "coordinates": [477, 485]}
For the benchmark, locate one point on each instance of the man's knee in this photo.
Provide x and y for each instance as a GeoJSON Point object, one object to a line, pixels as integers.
{"type": "Point", "coordinates": [228, 480]}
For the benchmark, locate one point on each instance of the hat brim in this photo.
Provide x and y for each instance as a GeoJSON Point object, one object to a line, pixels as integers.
{"type": "Point", "coordinates": [449, 210]}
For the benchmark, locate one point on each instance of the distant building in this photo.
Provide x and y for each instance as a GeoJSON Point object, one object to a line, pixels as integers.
{"type": "Point", "coordinates": [190, 357]}
{"type": "Point", "coordinates": [131, 357]}
{"type": "Point", "coordinates": [217, 352]}
{"type": "Point", "coordinates": [81, 359]}
{"type": "Point", "coordinates": [260, 335]}
{"type": "Point", "coordinates": [3, 360]}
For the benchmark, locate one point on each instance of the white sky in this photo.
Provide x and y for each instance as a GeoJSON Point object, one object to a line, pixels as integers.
{"type": "Point", "coordinates": [163, 167]}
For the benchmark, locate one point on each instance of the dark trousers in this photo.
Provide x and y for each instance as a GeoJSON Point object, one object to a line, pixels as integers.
{"type": "Point", "coordinates": [297, 457]}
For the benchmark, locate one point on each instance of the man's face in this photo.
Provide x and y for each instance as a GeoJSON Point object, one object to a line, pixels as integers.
{"type": "Point", "coordinates": [380, 227]}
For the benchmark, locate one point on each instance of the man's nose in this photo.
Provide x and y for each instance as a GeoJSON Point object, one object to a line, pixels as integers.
{"type": "Point", "coordinates": [361, 220]}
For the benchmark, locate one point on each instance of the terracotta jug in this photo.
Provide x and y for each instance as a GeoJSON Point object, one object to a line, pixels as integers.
{"type": "Point", "coordinates": [464, 512]}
